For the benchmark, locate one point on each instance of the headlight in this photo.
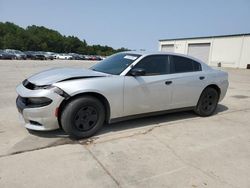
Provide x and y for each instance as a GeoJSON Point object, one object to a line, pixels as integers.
{"type": "Point", "coordinates": [37, 101]}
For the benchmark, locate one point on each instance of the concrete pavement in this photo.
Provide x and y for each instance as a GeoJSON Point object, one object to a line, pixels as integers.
{"type": "Point", "coordinates": [174, 150]}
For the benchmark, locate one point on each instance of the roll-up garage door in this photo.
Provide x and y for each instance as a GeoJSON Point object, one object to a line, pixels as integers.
{"type": "Point", "coordinates": [167, 48]}
{"type": "Point", "coordinates": [200, 51]}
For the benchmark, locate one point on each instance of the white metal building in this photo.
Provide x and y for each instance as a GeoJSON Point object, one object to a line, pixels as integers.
{"type": "Point", "coordinates": [227, 50]}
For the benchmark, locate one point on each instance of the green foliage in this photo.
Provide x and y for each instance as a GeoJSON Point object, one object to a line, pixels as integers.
{"type": "Point", "coordinates": [39, 38]}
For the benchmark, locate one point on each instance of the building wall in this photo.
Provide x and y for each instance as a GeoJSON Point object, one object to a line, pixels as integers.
{"type": "Point", "coordinates": [245, 56]}
{"type": "Point", "coordinates": [226, 51]}
{"type": "Point", "coordinates": [231, 51]}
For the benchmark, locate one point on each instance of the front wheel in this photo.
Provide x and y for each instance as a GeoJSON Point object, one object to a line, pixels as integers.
{"type": "Point", "coordinates": [83, 117]}
{"type": "Point", "coordinates": [208, 102]}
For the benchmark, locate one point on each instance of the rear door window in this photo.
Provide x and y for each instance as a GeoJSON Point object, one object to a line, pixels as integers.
{"type": "Point", "coordinates": [180, 64]}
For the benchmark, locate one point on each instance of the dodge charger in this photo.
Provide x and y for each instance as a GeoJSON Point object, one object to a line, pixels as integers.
{"type": "Point", "coordinates": [123, 86]}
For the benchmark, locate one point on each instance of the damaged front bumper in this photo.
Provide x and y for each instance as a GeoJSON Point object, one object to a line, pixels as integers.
{"type": "Point", "coordinates": [38, 108]}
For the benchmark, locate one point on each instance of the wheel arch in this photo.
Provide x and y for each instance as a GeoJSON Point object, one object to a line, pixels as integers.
{"type": "Point", "coordinates": [197, 110]}
{"type": "Point", "coordinates": [99, 96]}
{"type": "Point", "coordinates": [214, 86]}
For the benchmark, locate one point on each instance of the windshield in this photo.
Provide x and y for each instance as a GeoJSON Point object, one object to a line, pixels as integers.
{"type": "Point", "coordinates": [115, 64]}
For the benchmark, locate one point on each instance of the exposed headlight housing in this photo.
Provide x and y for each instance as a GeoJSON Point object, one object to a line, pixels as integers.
{"type": "Point", "coordinates": [59, 91]}
{"type": "Point", "coordinates": [55, 89]}
{"type": "Point", "coordinates": [32, 86]}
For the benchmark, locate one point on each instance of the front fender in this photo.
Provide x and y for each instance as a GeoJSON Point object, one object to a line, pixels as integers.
{"type": "Point", "coordinates": [109, 87]}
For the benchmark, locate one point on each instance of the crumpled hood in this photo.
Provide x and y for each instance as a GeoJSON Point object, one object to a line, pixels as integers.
{"type": "Point", "coordinates": [51, 76]}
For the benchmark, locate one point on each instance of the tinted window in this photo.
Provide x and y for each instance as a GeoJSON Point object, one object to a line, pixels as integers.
{"type": "Point", "coordinates": [115, 64]}
{"type": "Point", "coordinates": [182, 64]}
{"type": "Point", "coordinates": [154, 65]}
{"type": "Point", "coordinates": [197, 66]}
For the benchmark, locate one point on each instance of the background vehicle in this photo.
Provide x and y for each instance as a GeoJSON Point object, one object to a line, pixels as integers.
{"type": "Point", "coordinates": [47, 55]}
{"type": "Point", "coordinates": [6, 55]}
{"type": "Point", "coordinates": [34, 55]}
{"type": "Point", "coordinates": [64, 56]}
{"type": "Point", "coordinates": [30, 54]}
{"type": "Point", "coordinates": [76, 56]}
{"type": "Point", "coordinates": [17, 53]}
{"type": "Point", "coordinates": [41, 55]}
{"type": "Point", "coordinates": [123, 86]}
{"type": "Point", "coordinates": [52, 54]}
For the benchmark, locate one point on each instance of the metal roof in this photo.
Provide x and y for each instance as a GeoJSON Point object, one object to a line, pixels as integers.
{"type": "Point", "coordinates": [202, 37]}
{"type": "Point", "coordinates": [146, 53]}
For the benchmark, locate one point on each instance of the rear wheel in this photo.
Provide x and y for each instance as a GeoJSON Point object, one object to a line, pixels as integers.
{"type": "Point", "coordinates": [208, 102]}
{"type": "Point", "coordinates": [83, 117]}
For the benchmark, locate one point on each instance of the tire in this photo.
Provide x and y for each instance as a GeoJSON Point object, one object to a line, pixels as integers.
{"type": "Point", "coordinates": [83, 117]}
{"type": "Point", "coordinates": [207, 103]}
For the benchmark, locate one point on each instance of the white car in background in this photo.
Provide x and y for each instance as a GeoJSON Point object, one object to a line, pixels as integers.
{"type": "Point", "coordinates": [64, 56]}
{"type": "Point", "coordinates": [123, 86]}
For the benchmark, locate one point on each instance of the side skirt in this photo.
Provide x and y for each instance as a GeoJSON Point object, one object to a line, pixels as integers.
{"type": "Point", "coordinates": [114, 120]}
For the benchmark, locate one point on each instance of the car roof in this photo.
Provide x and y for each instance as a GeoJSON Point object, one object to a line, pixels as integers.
{"type": "Point", "coordinates": [146, 53]}
{"type": "Point", "coordinates": [156, 53]}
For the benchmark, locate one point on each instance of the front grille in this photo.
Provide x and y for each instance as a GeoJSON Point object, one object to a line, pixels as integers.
{"type": "Point", "coordinates": [23, 100]}
{"type": "Point", "coordinates": [20, 103]}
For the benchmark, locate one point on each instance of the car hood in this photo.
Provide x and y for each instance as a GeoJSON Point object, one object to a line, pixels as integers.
{"type": "Point", "coordinates": [51, 76]}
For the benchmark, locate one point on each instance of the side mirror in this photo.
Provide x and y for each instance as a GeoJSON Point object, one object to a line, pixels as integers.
{"type": "Point", "coordinates": [137, 72]}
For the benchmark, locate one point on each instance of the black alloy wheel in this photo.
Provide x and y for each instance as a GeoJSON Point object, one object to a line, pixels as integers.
{"type": "Point", "coordinates": [82, 116]}
{"type": "Point", "coordinates": [86, 118]}
{"type": "Point", "coordinates": [208, 102]}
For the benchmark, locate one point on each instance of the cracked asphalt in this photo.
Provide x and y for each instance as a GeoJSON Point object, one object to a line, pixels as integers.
{"type": "Point", "coordinates": [173, 150]}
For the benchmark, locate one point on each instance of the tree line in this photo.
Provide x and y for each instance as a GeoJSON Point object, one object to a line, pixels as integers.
{"type": "Point", "coordinates": [39, 38]}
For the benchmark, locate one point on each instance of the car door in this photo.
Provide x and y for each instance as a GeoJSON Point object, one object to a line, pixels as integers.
{"type": "Point", "coordinates": [150, 92]}
{"type": "Point", "coordinates": [188, 81]}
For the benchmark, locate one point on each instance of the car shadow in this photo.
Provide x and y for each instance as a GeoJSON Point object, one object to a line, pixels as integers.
{"type": "Point", "coordinates": [155, 120]}
{"type": "Point", "coordinates": [58, 133]}
{"type": "Point", "coordinates": [220, 108]}
{"type": "Point", "coordinates": [134, 123]}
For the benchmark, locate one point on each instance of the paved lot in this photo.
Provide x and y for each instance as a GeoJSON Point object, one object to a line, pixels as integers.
{"type": "Point", "coordinates": [174, 150]}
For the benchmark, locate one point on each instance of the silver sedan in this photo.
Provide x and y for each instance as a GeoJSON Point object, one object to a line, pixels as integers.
{"type": "Point", "coordinates": [124, 86]}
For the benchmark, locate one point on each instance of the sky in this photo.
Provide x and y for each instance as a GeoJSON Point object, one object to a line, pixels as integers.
{"type": "Point", "coordinates": [134, 24]}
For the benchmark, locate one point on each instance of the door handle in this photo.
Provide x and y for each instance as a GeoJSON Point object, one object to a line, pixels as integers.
{"type": "Point", "coordinates": [202, 77]}
{"type": "Point", "coordinates": [168, 82]}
